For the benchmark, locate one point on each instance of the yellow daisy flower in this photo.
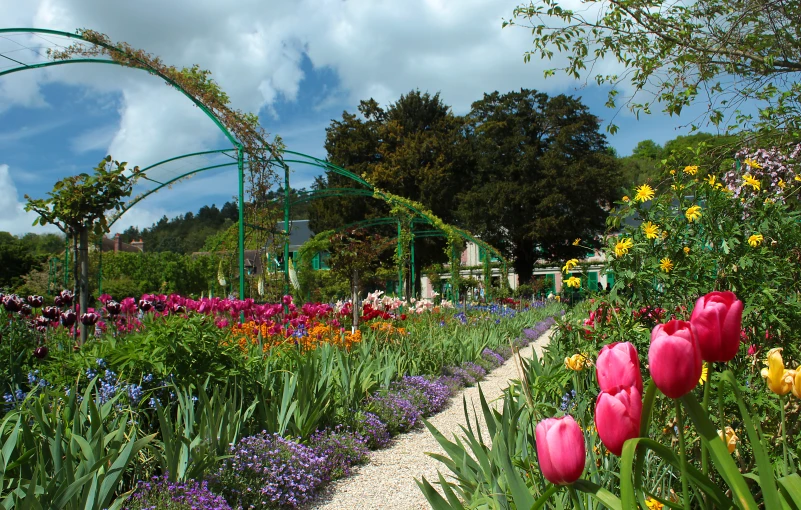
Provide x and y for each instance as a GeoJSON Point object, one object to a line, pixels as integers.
{"type": "Point", "coordinates": [650, 230]}
{"type": "Point", "coordinates": [704, 374]}
{"type": "Point", "coordinates": [576, 241]}
{"type": "Point", "coordinates": [666, 265]}
{"type": "Point", "coordinates": [711, 179]}
{"type": "Point", "coordinates": [755, 240]}
{"type": "Point", "coordinates": [782, 184]}
{"type": "Point", "coordinates": [644, 193]}
{"type": "Point", "coordinates": [750, 181]}
{"type": "Point", "coordinates": [672, 172]}
{"type": "Point", "coordinates": [691, 169]}
{"type": "Point", "coordinates": [750, 163]}
{"type": "Point", "coordinates": [573, 282]}
{"type": "Point", "coordinates": [686, 250]}
{"type": "Point", "coordinates": [693, 213]}
{"type": "Point", "coordinates": [570, 264]}
{"type": "Point", "coordinates": [626, 197]}
{"type": "Point", "coordinates": [797, 178]}
{"type": "Point", "coordinates": [622, 247]}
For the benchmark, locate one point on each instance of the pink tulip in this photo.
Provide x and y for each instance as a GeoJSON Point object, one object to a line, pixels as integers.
{"type": "Point", "coordinates": [560, 449]}
{"type": "Point", "coordinates": [674, 358]}
{"type": "Point", "coordinates": [617, 416]}
{"type": "Point", "coordinates": [717, 318]}
{"type": "Point", "coordinates": [618, 365]}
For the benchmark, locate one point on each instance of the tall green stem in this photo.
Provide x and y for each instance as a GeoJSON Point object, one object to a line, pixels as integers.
{"type": "Point", "coordinates": [707, 391]}
{"type": "Point", "coordinates": [683, 452]}
{"type": "Point", "coordinates": [784, 434]}
{"type": "Point", "coordinates": [574, 496]}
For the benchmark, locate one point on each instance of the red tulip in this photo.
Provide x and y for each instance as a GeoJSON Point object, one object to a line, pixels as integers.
{"type": "Point", "coordinates": [674, 358]}
{"type": "Point", "coordinates": [717, 318]}
{"type": "Point", "coordinates": [618, 366]}
{"type": "Point", "coordinates": [560, 449]}
{"type": "Point", "coordinates": [617, 416]}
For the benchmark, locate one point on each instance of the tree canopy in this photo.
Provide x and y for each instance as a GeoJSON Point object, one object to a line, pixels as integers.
{"type": "Point", "coordinates": [543, 177]}
{"type": "Point", "coordinates": [720, 53]}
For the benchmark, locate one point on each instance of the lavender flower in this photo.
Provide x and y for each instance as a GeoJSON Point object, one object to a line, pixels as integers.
{"type": "Point", "coordinates": [493, 358]}
{"type": "Point", "coordinates": [477, 371]}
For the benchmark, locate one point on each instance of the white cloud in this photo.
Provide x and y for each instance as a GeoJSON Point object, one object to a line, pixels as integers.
{"type": "Point", "coordinates": [14, 218]}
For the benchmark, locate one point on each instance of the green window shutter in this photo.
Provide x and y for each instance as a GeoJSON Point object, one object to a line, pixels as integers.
{"type": "Point", "coordinates": [610, 279]}
{"type": "Point", "coordinates": [592, 283]}
{"type": "Point", "coordinates": [550, 283]}
{"type": "Point", "coordinates": [324, 260]}
{"type": "Point", "coordinates": [316, 262]}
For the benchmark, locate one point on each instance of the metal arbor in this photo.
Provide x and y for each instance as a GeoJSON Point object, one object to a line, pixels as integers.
{"type": "Point", "coordinates": [23, 57]}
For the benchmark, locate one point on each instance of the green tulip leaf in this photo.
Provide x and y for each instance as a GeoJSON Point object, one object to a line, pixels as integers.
{"type": "Point", "coordinates": [719, 454]}
{"type": "Point", "coordinates": [790, 486]}
{"type": "Point", "coordinates": [608, 499]}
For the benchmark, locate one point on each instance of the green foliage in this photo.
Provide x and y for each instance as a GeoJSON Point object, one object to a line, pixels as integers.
{"type": "Point", "coordinates": [712, 252]}
{"type": "Point", "coordinates": [20, 255]}
{"type": "Point", "coordinates": [718, 53]}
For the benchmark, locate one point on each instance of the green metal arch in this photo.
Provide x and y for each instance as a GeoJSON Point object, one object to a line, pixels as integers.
{"type": "Point", "coordinates": [147, 69]}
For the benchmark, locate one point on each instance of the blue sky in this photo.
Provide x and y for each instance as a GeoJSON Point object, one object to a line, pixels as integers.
{"type": "Point", "coordinates": [299, 64]}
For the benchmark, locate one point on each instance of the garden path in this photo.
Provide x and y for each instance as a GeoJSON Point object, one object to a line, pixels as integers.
{"type": "Point", "coordinates": [387, 482]}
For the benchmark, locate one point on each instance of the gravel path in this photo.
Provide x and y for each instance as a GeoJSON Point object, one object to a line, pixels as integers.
{"type": "Point", "coordinates": [387, 482]}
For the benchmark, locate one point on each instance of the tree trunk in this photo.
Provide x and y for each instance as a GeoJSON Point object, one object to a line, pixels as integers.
{"type": "Point", "coordinates": [524, 267]}
{"type": "Point", "coordinates": [83, 254]}
{"type": "Point", "coordinates": [355, 300]}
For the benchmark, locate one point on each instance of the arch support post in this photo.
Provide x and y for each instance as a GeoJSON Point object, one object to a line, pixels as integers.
{"type": "Point", "coordinates": [400, 261]}
{"type": "Point", "coordinates": [240, 164]}
{"type": "Point", "coordinates": [413, 279]}
{"type": "Point", "coordinates": [286, 229]}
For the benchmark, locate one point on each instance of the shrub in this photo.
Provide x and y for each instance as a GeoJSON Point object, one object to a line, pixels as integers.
{"type": "Point", "coordinates": [268, 471]}
{"type": "Point", "coordinates": [161, 494]}
{"type": "Point", "coordinates": [341, 448]}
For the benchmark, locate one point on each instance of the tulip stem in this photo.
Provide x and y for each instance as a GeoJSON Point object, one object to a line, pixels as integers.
{"type": "Point", "coordinates": [683, 452]}
{"type": "Point", "coordinates": [574, 496]}
{"type": "Point", "coordinates": [704, 452]}
{"type": "Point", "coordinates": [784, 434]}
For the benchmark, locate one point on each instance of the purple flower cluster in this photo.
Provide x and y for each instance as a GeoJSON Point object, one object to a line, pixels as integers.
{"type": "Point", "coordinates": [474, 369]}
{"type": "Point", "coordinates": [492, 358]}
{"type": "Point", "coordinates": [395, 411]}
{"type": "Point", "coordinates": [769, 166]}
{"type": "Point", "coordinates": [159, 492]}
{"type": "Point", "coordinates": [373, 430]}
{"type": "Point", "coordinates": [268, 471]}
{"type": "Point", "coordinates": [429, 396]}
{"type": "Point", "coordinates": [341, 448]}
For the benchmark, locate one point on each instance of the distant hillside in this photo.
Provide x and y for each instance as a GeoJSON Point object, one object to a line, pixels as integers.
{"type": "Point", "coordinates": [188, 232]}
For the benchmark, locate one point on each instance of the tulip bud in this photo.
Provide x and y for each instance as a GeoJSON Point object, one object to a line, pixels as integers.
{"type": "Point", "coordinates": [718, 318]}
{"type": "Point", "coordinates": [730, 438]}
{"type": "Point", "coordinates": [40, 352]}
{"type": "Point", "coordinates": [674, 358]}
{"type": "Point", "coordinates": [618, 365]}
{"type": "Point", "coordinates": [35, 301]}
{"type": "Point", "coordinates": [560, 450]}
{"type": "Point", "coordinates": [779, 380]}
{"type": "Point", "coordinates": [89, 319]}
{"type": "Point", "coordinates": [113, 307]}
{"type": "Point", "coordinates": [617, 417]}
{"type": "Point", "coordinates": [68, 318]}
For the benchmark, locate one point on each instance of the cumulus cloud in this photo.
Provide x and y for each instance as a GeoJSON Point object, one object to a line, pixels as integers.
{"type": "Point", "coordinates": [13, 217]}
{"type": "Point", "coordinates": [256, 51]}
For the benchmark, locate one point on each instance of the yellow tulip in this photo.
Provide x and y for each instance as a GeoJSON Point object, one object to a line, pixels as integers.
{"type": "Point", "coordinates": [575, 362]}
{"type": "Point", "coordinates": [779, 380]}
{"type": "Point", "coordinates": [730, 438]}
{"type": "Point", "coordinates": [797, 382]}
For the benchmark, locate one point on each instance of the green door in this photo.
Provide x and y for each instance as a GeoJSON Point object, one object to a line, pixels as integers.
{"type": "Point", "coordinates": [592, 281]}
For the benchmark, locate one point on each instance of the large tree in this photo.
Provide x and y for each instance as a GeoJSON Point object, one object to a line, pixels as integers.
{"type": "Point", "coordinates": [544, 176]}
{"type": "Point", "coordinates": [720, 53]}
{"type": "Point", "coordinates": [415, 148]}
